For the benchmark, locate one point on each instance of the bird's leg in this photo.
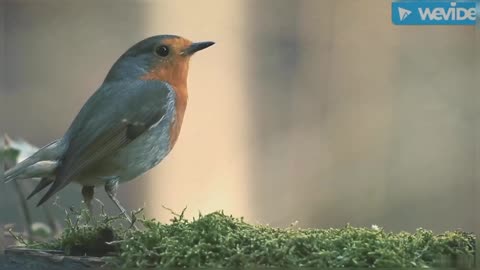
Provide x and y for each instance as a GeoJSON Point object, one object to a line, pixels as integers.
{"type": "Point", "coordinates": [87, 192]}
{"type": "Point", "coordinates": [111, 187]}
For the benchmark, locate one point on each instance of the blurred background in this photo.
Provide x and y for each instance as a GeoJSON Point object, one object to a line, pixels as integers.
{"type": "Point", "coordinates": [316, 111]}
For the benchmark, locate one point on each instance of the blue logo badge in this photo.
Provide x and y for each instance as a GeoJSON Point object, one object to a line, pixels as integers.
{"type": "Point", "coordinates": [434, 13]}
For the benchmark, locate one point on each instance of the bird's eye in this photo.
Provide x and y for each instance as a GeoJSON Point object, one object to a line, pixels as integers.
{"type": "Point", "coordinates": [161, 50]}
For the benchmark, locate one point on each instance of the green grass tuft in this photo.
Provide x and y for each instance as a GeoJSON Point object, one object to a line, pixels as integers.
{"type": "Point", "coordinates": [86, 236]}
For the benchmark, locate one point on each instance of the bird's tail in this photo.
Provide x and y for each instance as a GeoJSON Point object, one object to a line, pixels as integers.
{"type": "Point", "coordinates": [39, 165]}
{"type": "Point", "coordinates": [44, 182]}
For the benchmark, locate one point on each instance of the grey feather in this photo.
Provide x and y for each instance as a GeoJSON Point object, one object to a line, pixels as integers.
{"type": "Point", "coordinates": [51, 152]}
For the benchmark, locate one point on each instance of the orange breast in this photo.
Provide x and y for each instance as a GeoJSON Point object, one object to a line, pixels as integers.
{"type": "Point", "coordinates": [181, 105]}
{"type": "Point", "coordinates": [175, 73]}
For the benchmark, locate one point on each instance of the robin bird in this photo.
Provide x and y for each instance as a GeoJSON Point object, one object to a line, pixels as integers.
{"type": "Point", "coordinates": [125, 128]}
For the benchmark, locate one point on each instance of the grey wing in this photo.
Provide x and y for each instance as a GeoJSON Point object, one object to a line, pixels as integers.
{"type": "Point", "coordinates": [112, 118]}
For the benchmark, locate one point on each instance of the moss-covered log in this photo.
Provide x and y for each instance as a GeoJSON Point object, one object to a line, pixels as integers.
{"type": "Point", "coordinates": [217, 240]}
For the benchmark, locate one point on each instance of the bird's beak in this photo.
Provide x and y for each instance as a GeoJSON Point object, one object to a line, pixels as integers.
{"type": "Point", "coordinates": [197, 46]}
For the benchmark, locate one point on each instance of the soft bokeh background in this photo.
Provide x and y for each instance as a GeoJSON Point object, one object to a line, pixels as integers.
{"type": "Point", "coordinates": [315, 111]}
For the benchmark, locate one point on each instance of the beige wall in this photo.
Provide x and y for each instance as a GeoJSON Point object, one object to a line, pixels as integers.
{"type": "Point", "coordinates": [207, 169]}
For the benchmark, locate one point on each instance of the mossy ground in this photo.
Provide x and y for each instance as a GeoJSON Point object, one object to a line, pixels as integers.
{"type": "Point", "coordinates": [219, 240]}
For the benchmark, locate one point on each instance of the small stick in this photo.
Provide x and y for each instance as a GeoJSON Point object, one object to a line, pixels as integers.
{"type": "Point", "coordinates": [19, 191]}
{"type": "Point", "coordinates": [25, 210]}
{"type": "Point", "coordinates": [2, 240]}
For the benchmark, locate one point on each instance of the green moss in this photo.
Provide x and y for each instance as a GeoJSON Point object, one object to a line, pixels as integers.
{"type": "Point", "coordinates": [219, 240]}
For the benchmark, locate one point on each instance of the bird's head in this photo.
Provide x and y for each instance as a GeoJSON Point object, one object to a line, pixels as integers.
{"type": "Point", "coordinates": [163, 58]}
